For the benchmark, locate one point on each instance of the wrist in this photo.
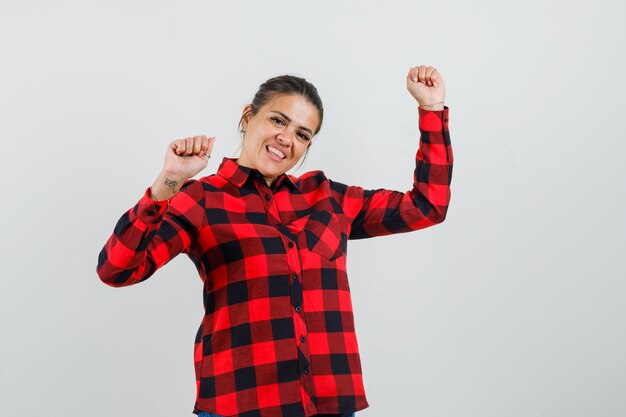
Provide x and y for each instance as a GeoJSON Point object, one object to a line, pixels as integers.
{"type": "Point", "coordinates": [436, 106]}
{"type": "Point", "coordinates": [166, 186]}
{"type": "Point", "coordinates": [154, 196]}
{"type": "Point", "coordinates": [174, 176]}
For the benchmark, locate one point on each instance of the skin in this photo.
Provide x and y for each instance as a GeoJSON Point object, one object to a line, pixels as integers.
{"type": "Point", "coordinates": [270, 127]}
{"type": "Point", "coordinates": [426, 85]}
{"type": "Point", "coordinates": [187, 157]}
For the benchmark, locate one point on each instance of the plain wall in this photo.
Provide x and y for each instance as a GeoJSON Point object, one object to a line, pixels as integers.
{"type": "Point", "coordinates": [512, 307]}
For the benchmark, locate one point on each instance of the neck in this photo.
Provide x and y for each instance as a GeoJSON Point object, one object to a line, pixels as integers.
{"type": "Point", "coordinates": [268, 180]}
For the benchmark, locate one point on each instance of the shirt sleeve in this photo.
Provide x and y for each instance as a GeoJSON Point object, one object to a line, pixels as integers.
{"type": "Point", "coordinates": [150, 234]}
{"type": "Point", "coordinates": [381, 212]}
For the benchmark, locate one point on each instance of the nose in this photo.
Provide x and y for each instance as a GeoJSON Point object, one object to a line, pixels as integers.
{"type": "Point", "coordinates": [285, 137]}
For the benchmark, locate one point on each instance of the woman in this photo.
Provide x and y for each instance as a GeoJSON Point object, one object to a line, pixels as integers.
{"type": "Point", "coordinates": [277, 338]}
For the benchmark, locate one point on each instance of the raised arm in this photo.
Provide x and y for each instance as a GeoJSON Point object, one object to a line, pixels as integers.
{"type": "Point", "coordinates": [382, 212]}
{"type": "Point", "coordinates": [164, 222]}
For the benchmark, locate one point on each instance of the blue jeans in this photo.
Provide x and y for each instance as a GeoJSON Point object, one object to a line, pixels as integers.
{"type": "Point", "coordinates": [207, 414]}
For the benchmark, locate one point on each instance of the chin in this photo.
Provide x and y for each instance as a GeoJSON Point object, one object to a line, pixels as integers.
{"type": "Point", "coordinates": [273, 174]}
{"type": "Point", "coordinates": [272, 170]}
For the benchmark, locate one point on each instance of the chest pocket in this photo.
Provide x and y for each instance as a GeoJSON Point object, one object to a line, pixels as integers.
{"type": "Point", "coordinates": [323, 235]}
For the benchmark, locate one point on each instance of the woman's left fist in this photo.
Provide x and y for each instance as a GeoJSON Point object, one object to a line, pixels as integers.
{"type": "Point", "coordinates": [426, 85]}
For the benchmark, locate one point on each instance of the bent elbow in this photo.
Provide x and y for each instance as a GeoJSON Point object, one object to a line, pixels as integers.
{"type": "Point", "coordinates": [104, 270]}
{"type": "Point", "coordinates": [118, 277]}
{"type": "Point", "coordinates": [121, 278]}
{"type": "Point", "coordinates": [438, 214]}
{"type": "Point", "coordinates": [108, 277]}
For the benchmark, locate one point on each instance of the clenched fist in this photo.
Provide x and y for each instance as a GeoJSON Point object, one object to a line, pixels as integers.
{"type": "Point", "coordinates": [184, 159]}
{"type": "Point", "coordinates": [426, 85]}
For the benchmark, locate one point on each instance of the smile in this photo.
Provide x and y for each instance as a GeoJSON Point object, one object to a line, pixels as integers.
{"type": "Point", "coordinates": [275, 153]}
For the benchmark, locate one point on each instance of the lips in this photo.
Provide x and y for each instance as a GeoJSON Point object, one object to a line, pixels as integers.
{"type": "Point", "coordinates": [275, 153]}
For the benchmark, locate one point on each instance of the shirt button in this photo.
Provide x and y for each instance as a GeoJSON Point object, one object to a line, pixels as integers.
{"type": "Point", "coordinates": [295, 276]}
{"type": "Point", "coordinates": [268, 197]}
{"type": "Point", "coordinates": [306, 371]}
{"type": "Point", "coordinates": [298, 308]}
{"type": "Point", "coordinates": [302, 338]}
{"type": "Point", "coordinates": [290, 244]}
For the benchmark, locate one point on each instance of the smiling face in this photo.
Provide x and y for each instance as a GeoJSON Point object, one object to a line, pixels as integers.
{"type": "Point", "coordinates": [278, 135]}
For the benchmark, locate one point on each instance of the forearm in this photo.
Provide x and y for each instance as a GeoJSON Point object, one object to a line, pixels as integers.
{"type": "Point", "coordinates": [150, 234]}
{"type": "Point", "coordinates": [381, 212]}
{"type": "Point", "coordinates": [166, 186]}
{"type": "Point", "coordinates": [434, 160]}
{"type": "Point", "coordinates": [124, 258]}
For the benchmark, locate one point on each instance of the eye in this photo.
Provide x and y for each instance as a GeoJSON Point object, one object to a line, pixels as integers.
{"type": "Point", "coordinates": [278, 120]}
{"type": "Point", "coordinates": [303, 136]}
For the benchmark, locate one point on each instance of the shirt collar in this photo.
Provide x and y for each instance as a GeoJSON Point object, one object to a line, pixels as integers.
{"type": "Point", "coordinates": [238, 174]}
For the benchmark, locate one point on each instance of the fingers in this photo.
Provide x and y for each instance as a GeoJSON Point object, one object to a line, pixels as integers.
{"type": "Point", "coordinates": [425, 74]}
{"type": "Point", "coordinates": [197, 144]}
{"type": "Point", "coordinates": [193, 145]}
{"type": "Point", "coordinates": [206, 147]}
{"type": "Point", "coordinates": [209, 146]}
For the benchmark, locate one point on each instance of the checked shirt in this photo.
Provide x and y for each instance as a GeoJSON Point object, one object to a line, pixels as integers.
{"type": "Point", "coordinates": [278, 337]}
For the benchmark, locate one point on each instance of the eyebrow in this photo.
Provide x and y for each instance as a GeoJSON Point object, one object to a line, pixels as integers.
{"type": "Point", "coordinates": [289, 120]}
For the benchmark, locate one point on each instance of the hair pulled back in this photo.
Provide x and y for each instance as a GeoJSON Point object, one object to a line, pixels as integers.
{"type": "Point", "coordinates": [284, 84]}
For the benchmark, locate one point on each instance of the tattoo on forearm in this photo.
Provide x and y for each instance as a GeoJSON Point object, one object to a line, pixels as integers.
{"type": "Point", "coordinates": [172, 184]}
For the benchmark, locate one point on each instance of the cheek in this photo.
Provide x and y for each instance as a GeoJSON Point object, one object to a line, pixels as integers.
{"type": "Point", "coordinates": [264, 132]}
{"type": "Point", "coordinates": [255, 138]}
{"type": "Point", "coordinates": [301, 150]}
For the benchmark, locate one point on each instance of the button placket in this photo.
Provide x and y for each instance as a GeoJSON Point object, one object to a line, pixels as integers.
{"type": "Point", "coordinates": [294, 265]}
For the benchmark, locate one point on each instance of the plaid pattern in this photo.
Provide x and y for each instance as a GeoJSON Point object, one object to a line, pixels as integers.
{"type": "Point", "coordinates": [278, 336]}
{"type": "Point", "coordinates": [207, 414]}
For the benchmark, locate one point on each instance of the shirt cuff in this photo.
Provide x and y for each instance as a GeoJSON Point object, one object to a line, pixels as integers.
{"type": "Point", "coordinates": [433, 120]}
{"type": "Point", "coordinates": [150, 211]}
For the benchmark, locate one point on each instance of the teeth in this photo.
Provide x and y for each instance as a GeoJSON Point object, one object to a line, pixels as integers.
{"type": "Point", "coordinates": [276, 152]}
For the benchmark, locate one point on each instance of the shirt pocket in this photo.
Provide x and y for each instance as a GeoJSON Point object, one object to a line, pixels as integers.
{"type": "Point", "coordinates": [322, 234]}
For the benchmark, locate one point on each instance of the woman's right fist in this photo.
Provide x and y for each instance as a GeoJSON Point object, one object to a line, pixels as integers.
{"type": "Point", "coordinates": [186, 157]}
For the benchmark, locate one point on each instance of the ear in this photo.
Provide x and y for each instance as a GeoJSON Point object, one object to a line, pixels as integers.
{"type": "Point", "coordinates": [246, 118]}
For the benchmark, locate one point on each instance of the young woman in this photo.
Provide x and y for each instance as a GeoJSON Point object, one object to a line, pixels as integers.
{"type": "Point", "coordinates": [277, 338]}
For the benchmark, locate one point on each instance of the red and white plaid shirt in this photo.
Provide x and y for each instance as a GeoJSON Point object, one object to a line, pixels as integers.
{"type": "Point", "coordinates": [277, 338]}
